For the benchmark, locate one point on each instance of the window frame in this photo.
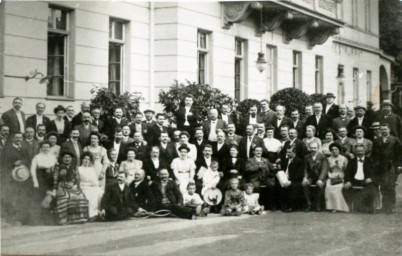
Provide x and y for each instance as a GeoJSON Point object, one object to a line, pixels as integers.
{"type": "Point", "coordinates": [355, 86]}
{"type": "Point", "coordinates": [204, 52]}
{"type": "Point", "coordinates": [121, 44]}
{"type": "Point", "coordinates": [297, 70]}
{"type": "Point", "coordinates": [239, 65]}
{"type": "Point", "coordinates": [319, 74]}
{"type": "Point", "coordinates": [66, 38]}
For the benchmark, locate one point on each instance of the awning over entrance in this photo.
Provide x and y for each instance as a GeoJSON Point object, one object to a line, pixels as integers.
{"type": "Point", "coordinates": [315, 19]}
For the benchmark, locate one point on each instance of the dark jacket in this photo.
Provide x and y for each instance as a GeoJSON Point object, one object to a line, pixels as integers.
{"type": "Point", "coordinates": [151, 170]}
{"type": "Point", "coordinates": [228, 165]}
{"type": "Point", "coordinates": [296, 169]}
{"type": "Point", "coordinates": [301, 149]}
{"type": "Point", "coordinates": [51, 127]}
{"type": "Point", "coordinates": [181, 119]}
{"type": "Point", "coordinates": [31, 121]}
{"type": "Point", "coordinates": [10, 118]}
{"type": "Point", "coordinates": [317, 169]}
{"type": "Point", "coordinates": [206, 126]}
{"type": "Point", "coordinates": [333, 111]}
{"type": "Point", "coordinates": [386, 153]}
{"type": "Point", "coordinates": [351, 169]}
{"type": "Point", "coordinates": [122, 154]}
{"type": "Point", "coordinates": [143, 196]}
{"type": "Point", "coordinates": [354, 122]}
{"type": "Point", "coordinates": [169, 153]}
{"type": "Point", "coordinates": [154, 133]}
{"type": "Point", "coordinates": [118, 199]}
{"type": "Point", "coordinates": [172, 192]}
{"type": "Point", "coordinates": [222, 153]}
{"type": "Point", "coordinates": [256, 141]}
{"type": "Point", "coordinates": [285, 121]}
{"type": "Point", "coordinates": [324, 124]}
{"type": "Point", "coordinates": [244, 121]}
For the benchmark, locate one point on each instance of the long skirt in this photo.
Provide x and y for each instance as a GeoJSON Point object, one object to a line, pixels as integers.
{"type": "Point", "coordinates": [94, 195]}
{"type": "Point", "coordinates": [71, 205]}
{"type": "Point", "coordinates": [334, 199]}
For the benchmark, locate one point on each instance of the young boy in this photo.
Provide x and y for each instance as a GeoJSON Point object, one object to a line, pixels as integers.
{"type": "Point", "coordinates": [193, 200]}
{"type": "Point", "coordinates": [253, 207]}
{"type": "Point", "coordinates": [234, 200]}
{"type": "Point", "coordinates": [211, 177]}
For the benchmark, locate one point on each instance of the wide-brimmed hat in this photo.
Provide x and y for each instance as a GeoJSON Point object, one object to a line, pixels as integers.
{"type": "Point", "coordinates": [58, 108]}
{"type": "Point", "coordinates": [360, 107]}
{"type": "Point", "coordinates": [184, 146]}
{"type": "Point", "coordinates": [212, 196]}
{"type": "Point", "coordinates": [387, 103]}
{"type": "Point", "coordinates": [330, 95]}
{"type": "Point", "coordinates": [20, 173]}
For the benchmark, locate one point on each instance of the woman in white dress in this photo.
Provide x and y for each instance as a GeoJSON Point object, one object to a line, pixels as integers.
{"type": "Point", "coordinates": [334, 199]}
{"type": "Point", "coordinates": [100, 159]}
{"type": "Point", "coordinates": [131, 163]}
{"type": "Point", "coordinates": [272, 146]}
{"type": "Point", "coordinates": [54, 148]}
{"type": "Point", "coordinates": [89, 184]}
{"type": "Point", "coordinates": [183, 168]}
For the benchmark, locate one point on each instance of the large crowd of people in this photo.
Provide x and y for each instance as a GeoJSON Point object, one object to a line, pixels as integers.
{"type": "Point", "coordinates": [88, 167]}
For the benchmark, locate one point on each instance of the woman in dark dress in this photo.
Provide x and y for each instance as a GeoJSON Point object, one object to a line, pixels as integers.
{"type": "Point", "coordinates": [71, 204]}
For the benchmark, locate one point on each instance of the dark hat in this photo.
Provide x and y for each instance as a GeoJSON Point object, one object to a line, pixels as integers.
{"type": "Point", "coordinates": [58, 108]}
{"type": "Point", "coordinates": [184, 146]}
{"type": "Point", "coordinates": [360, 107]}
{"type": "Point", "coordinates": [375, 125]}
{"type": "Point", "coordinates": [269, 127]}
{"type": "Point", "coordinates": [387, 103]}
{"type": "Point", "coordinates": [67, 153]}
{"type": "Point", "coordinates": [149, 110]}
{"type": "Point", "coordinates": [330, 95]}
{"type": "Point", "coordinates": [359, 127]}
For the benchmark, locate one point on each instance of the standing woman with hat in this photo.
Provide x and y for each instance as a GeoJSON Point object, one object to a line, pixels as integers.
{"type": "Point", "coordinates": [71, 204]}
{"type": "Point", "coordinates": [59, 125]}
{"type": "Point", "coordinates": [42, 170]}
{"type": "Point", "coordinates": [183, 168]}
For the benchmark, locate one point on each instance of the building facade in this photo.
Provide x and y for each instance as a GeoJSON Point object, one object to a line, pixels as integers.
{"type": "Point", "coordinates": [56, 52]}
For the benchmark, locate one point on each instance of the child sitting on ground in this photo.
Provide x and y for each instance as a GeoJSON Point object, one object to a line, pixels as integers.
{"type": "Point", "coordinates": [193, 200]}
{"type": "Point", "coordinates": [234, 200]}
{"type": "Point", "coordinates": [253, 207]}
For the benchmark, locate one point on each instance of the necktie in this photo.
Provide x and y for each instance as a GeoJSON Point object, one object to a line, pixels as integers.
{"type": "Point", "coordinates": [361, 160]}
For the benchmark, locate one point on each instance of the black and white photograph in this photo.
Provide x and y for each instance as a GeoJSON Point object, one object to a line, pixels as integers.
{"type": "Point", "coordinates": [176, 128]}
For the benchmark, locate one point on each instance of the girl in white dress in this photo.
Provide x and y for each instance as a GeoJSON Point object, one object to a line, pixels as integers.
{"type": "Point", "coordinates": [89, 184]}
{"type": "Point", "coordinates": [183, 168]}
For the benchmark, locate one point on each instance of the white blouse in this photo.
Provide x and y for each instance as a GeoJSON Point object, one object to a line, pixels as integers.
{"type": "Point", "coordinates": [272, 145]}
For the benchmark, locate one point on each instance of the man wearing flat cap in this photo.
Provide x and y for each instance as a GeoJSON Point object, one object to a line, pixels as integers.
{"type": "Point", "coordinates": [385, 115]}
{"type": "Point", "coordinates": [330, 108]}
{"type": "Point", "coordinates": [148, 123]}
{"type": "Point", "coordinates": [359, 120]}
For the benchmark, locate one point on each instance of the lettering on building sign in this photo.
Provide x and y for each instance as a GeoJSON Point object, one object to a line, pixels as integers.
{"type": "Point", "coordinates": [328, 5]}
{"type": "Point", "coordinates": [346, 50]}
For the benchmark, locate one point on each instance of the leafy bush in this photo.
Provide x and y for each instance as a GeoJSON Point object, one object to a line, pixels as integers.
{"type": "Point", "coordinates": [108, 100]}
{"type": "Point", "coordinates": [205, 97]}
{"type": "Point", "coordinates": [317, 97]}
{"type": "Point", "coordinates": [243, 107]}
{"type": "Point", "coordinates": [291, 98]}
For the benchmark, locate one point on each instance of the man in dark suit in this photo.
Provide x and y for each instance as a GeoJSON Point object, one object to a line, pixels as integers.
{"type": "Point", "coordinates": [232, 137]}
{"type": "Point", "coordinates": [187, 116]}
{"type": "Point", "coordinates": [344, 141]}
{"type": "Point", "coordinates": [117, 121]}
{"type": "Point", "coordinates": [297, 123]}
{"type": "Point", "coordinates": [232, 167]}
{"type": "Point", "coordinates": [15, 117]}
{"type": "Point", "coordinates": [140, 148]}
{"type": "Point", "coordinates": [153, 163]}
{"type": "Point", "coordinates": [168, 196]}
{"type": "Point", "coordinates": [266, 114]}
{"type": "Point", "coordinates": [204, 161]}
{"type": "Point", "coordinates": [248, 143]}
{"type": "Point", "coordinates": [220, 148]}
{"type": "Point", "coordinates": [154, 131]}
{"type": "Point", "coordinates": [39, 118]}
{"type": "Point", "coordinates": [280, 120]}
{"type": "Point", "coordinates": [359, 190]}
{"type": "Point", "coordinates": [252, 118]}
{"type": "Point", "coordinates": [117, 144]}
{"type": "Point", "coordinates": [73, 145]}
{"type": "Point", "coordinates": [315, 175]}
{"type": "Point", "coordinates": [387, 155]}
{"type": "Point", "coordinates": [4, 135]}
{"type": "Point", "coordinates": [137, 125]}
{"type": "Point", "coordinates": [385, 115]}
{"type": "Point", "coordinates": [117, 202]}
{"type": "Point", "coordinates": [77, 119]}
{"type": "Point", "coordinates": [96, 120]}
{"type": "Point", "coordinates": [199, 141]}
{"type": "Point", "coordinates": [167, 150]}
{"type": "Point", "coordinates": [290, 196]}
{"type": "Point", "coordinates": [342, 120]}
{"type": "Point", "coordinates": [69, 114]}
{"type": "Point", "coordinates": [330, 108]}
{"type": "Point", "coordinates": [142, 192]}
{"type": "Point", "coordinates": [85, 129]}
{"type": "Point", "coordinates": [299, 146]}
{"type": "Point", "coordinates": [319, 120]}
{"type": "Point", "coordinates": [148, 123]}
{"type": "Point", "coordinates": [359, 120]}
{"type": "Point", "coordinates": [212, 126]}
{"type": "Point", "coordinates": [29, 142]}
{"type": "Point", "coordinates": [227, 116]}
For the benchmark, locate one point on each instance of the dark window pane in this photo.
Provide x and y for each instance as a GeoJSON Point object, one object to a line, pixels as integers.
{"type": "Point", "coordinates": [114, 53]}
{"type": "Point", "coordinates": [111, 29]}
{"type": "Point", "coordinates": [55, 64]}
{"type": "Point", "coordinates": [201, 68]}
{"type": "Point", "coordinates": [55, 87]}
{"type": "Point", "coordinates": [61, 19]}
{"type": "Point", "coordinates": [202, 40]}
{"type": "Point", "coordinates": [239, 50]}
{"type": "Point", "coordinates": [118, 30]}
